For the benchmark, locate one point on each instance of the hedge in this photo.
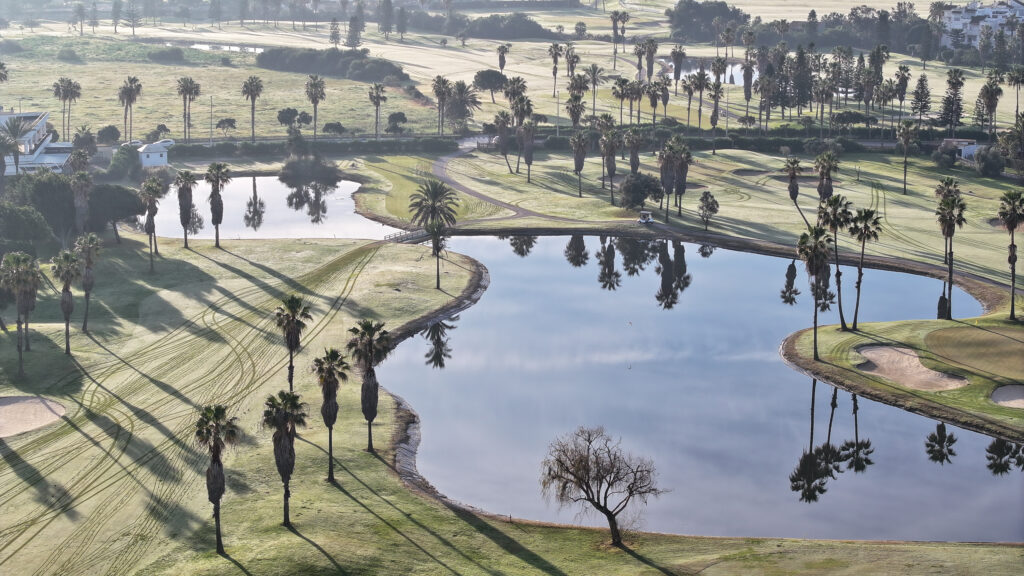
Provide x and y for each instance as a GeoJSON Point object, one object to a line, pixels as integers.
{"type": "Point", "coordinates": [264, 149]}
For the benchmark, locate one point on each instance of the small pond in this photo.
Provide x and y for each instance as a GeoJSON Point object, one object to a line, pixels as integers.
{"type": "Point", "coordinates": [264, 207]}
{"type": "Point", "coordinates": [677, 354]}
{"type": "Point", "coordinates": [733, 72]}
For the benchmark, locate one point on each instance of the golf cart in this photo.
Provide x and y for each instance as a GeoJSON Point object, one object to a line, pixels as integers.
{"type": "Point", "coordinates": [645, 217]}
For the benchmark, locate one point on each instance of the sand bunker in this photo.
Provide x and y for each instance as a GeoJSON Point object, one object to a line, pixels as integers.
{"type": "Point", "coordinates": [23, 413]}
{"type": "Point", "coordinates": [902, 365]}
{"type": "Point", "coordinates": [1011, 396]}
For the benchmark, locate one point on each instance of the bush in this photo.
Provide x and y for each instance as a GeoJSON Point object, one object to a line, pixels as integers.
{"type": "Point", "coordinates": [355, 64]}
{"type": "Point", "coordinates": [945, 156]}
{"type": "Point", "coordinates": [168, 56]}
{"type": "Point", "coordinates": [108, 134]}
{"type": "Point", "coordinates": [225, 61]}
{"type": "Point", "coordinates": [125, 164]}
{"type": "Point", "coordinates": [556, 143]}
{"type": "Point", "coordinates": [989, 161]}
{"type": "Point", "coordinates": [67, 55]}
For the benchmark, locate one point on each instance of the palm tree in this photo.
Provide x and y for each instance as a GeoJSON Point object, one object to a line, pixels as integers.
{"type": "Point", "coordinates": [667, 158]}
{"type": "Point", "coordinates": [609, 146]}
{"type": "Point", "coordinates": [377, 97]}
{"type": "Point", "coordinates": [502, 122]}
{"type": "Point", "coordinates": [579, 144]}
{"type": "Point", "coordinates": [81, 185]}
{"type": "Point", "coordinates": [555, 51]}
{"type": "Point", "coordinates": [433, 201]}
{"type": "Point", "coordinates": [290, 317]}
{"type": "Point", "coordinates": [939, 445]}
{"type": "Point", "coordinates": [595, 75]}
{"type": "Point", "coordinates": [217, 176]}
{"type": "Point", "coordinates": [151, 192]}
{"type": "Point", "coordinates": [1015, 78]}
{"type": "Point", "coordinates": [1011, 214]}
{"type": "Point", "coordinates": [15, 128]}
{"type": "Point", "coordinates": [331, 369]}
{"type": "Point", "coordinates": [857, 453]}
{"type": "Point", "coordinates": [815, 249]}
{"type": "Point", "coordinates": [620, 91]}
{"type": "Point", "coordinates": [188, 90]}
{"type": "Point", "coordinates": [865, 226]}
{"type": "Point", "coordinates": [185, 182]}
{"type": "Point", "coordinates": [3, 72]}
{"type": "Point", "coordinates": [19, 274]}
{"type": "Point", "coordinates": [826, 164]}
{"type": "Point", "coordinates": [370, 344]}
{"type": "Point", "coordinates": [7, 146]}
{"type": "Point", "coordinates": [503, 50]}
{"type": "Point", "coordinates": [989, 95]}
{"type": "Point", "coordinates": [526, 137]}
{"type": "Point", "coordinates": [66, 269]}
{"type": "Point", "coordinates": [835, 215]}
{"type": "Point", "coordinates": [215, 431]}
{"type": "Point", "coordinates": [252, 89]}
{"type": "Point", "coordinates": [716, 92]}
{"type": "Point", "coordinates": [633, 139]}
{"type": "Point", "coordinates": [442, 88]}
{"type": "Point", "coordinates": [128, 94]}
{"type": "Point", "coordinates": [88, 248]}
{"type": "Point", "coordinates": [793, 169]}
{"type": "Point", "coordinates": [700, 82]}
{"type": "Point", "coordinates": [683, 161]}
{"type": "Point", "coordinates": [575, 108]}
{"type": "Point", "coordinates": [436, 232]}
{"type": "Point", "coordinates": [514, 88]}
{"type": "Point", "coordinates": [316, 92]}
{"type": "Point", "coordinates": [906, 134]}
{"type": "Point", "coordinates": [284, 413]}
{"type": "Point", "coordinates": [950, 216]}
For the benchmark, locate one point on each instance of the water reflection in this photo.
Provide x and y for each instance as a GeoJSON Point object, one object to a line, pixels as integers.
{"type": "Point", "coordinates": [790, 291]}
{"type": "Point", "coordinates": [437, 336]}
{"type": "Point", "coordinates": [521, 245]}
{"type": "Point", "coordinates": [939, 445]}
{"type": "Point", "coordinates": [1002, 456]}
{"type": "Point", "coordinates": [311, 181]}
{"type": "Point", "coordinates": [255, 208]}
{"type": "Point", "coordinates": [699, 388]}
{"type": "Point", "coordinates": [706, 250]}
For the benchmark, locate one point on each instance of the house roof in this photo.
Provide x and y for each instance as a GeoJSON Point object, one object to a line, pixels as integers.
{"type": "Point", "coordinates": [153, 148]}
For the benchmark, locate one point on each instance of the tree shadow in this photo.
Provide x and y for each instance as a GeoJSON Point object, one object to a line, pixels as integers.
{"type": "Point", "coordinates": [52, 495]}
{"type": "Point", "coordinates": [644, 560]}
{"type": "Point", "coordinates": [138, 451]}
{"type": "Point", "coordinates": [236, 563]}
{"type": "Point", "coordinates": [287, 280]}
{"type": "Point", "coordinates": [337, 566]}
{"type": "Point", "coordinates": [166, 388]}
{"type": "Point", "coordinates": [504, 541]}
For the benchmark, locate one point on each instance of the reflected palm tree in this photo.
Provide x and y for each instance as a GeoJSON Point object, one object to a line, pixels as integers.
{"type": "Point", "coordinates": [609, 277]}
{"type": "Point", "coordinates": [790, 291]}
{"type": "Point", "coordinates": [636, 254]}
{"type": "Point", "coordinates": [706, 250]}
{"type": "Point", "coordinates": [311, 181]}
{"type": "Point", "coordinates": [576, 251]}
{"type": "Point", "coordinates": [522, 245]}
{"type": "Point", "coordinates": [667, 295]}
{"type": "Point", "coordinates": [681, 278]}
{"type": "Point", "coordinates": [1002, 456]}
{"type": "Point", "coordinates": [437, 335]}
{"type": "Point", "coordinates": [316, 207]}
{"type": "Point", "coordinates": [828, 453]}
{"type": "Point", "coordinates": [812, 472]}
{"type": "Point", "coordinates": [255, 208]}
{"type": "Point", "coordinates": [939, 445]}
{"type": "Point", "coordinates": [857, 454]}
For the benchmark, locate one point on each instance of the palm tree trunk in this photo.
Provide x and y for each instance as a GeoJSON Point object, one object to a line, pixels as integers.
{"type": "Point", "coordinates": [528, 166]}
{"type": "Point", "coordinates": [216, 522]}
{"type": "Point", "coordinates": [330, 454]}
{"type": "Point", "coordinates": [252, 121]}
{"type": "Point", "coordinates": [291, 369]}
{"type": "Point", "coordinates": [21, 346]}
{"type": "Point", "coordinates": [287, 495]}
{"type": "Point", "coordinates": [832, 414]}
{"type": "Point", "coordinates": [949, 299]}
{"type": "Point", "coordinates": [315, 119]}
{"type": "Point", "coordinates": [815, 345]}
{"type": "Point", "coordinates": [369, 436]}
{"type": "Point", "coordinates": [67, 336]}
{"type": "Point", "coordinates": [156, 248]}
{"type": "Point", "coordinates": [860, 278]}
{"type": "Point", "coordinates": [216, 235]}
{"type": "Point", "coordinates": [839, 283]}
{"type": "Point", "coordinates": [150, 252]}
{"type": "Point", "coordinates": [437, 258]}
{"type": "Point", "coordinates": [1013, 276]}
{"type": "Point", "coordinates": [814, 391]}
{"type": "Point", "coordinates": [579, 184]}
{"type": "Point", "coordinates": [186, 238]}
{"type": "Point", "coordinates": [905, 169]}
{"type": "Point", "coordinates": [85, 323]}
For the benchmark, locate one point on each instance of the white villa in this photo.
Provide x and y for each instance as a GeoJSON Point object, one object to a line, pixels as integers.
{"type": "Point", "coordinates": [972, 16]}
{"type": "Point", "coordinates": [155, 154]}
{"type": "Point", "coordinates": [36, 151]}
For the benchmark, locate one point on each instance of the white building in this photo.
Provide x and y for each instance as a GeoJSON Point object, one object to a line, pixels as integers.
{"type": "Point", "coordinates": [36, 151]}
{"type": "Point", "coordinates": [155, 154]}
{"type": "Point", "coordinates": [971, 17]}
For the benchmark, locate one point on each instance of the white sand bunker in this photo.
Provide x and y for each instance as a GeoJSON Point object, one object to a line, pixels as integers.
{"type": "Point", "coordinates": [23, 413]}
{"type": "Point", "coordinates": [1011, 396]}
{"type": "Point", "coordinates": [902, 365]}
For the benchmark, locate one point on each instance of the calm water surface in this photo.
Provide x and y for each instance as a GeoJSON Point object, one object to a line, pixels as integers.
{"type": "Point", "coordinates": [692, 379]}
{"type": "Point", "coordinates": [264, 207]}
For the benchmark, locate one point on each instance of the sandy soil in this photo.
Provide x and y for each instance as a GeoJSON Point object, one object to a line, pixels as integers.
{"type": "Point", "coordinates": [23, 413]}
{"type": "Point", "coordinates": [1012, 396]}
{"type": "Point", "coordinates": [902, 365]}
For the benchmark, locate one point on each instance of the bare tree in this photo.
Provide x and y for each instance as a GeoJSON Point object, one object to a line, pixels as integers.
{"type": "Point", "coordinates": [588, 467]}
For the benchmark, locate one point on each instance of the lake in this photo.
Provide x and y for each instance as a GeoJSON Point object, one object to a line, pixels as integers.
{"type": "Point", "coordinates": [691, 378]}
{"type": "Point", "coordinates": [312, 212]}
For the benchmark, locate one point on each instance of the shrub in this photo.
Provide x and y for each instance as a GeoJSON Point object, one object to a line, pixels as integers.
{"type": "Point", "coordinates": [125, 164]}
{"type": "Point", "coordinates": [989, 161]}
{"type": "Point", "coordinates": [108, 134]}
{"type": "Point", "coordinates": [945, 156]}
{"type": "Point", "coordinates": [225, 61]}
{"type": "Point", "coordinates": [170, 55]}
{"type": "Point", "coordinates": [67, 55]}
{"type": "Point", "coordinates": [556, 143]}
{"type": "Point", "coordinates": [355, 64]}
